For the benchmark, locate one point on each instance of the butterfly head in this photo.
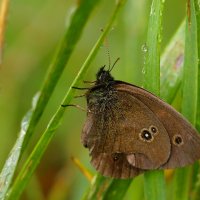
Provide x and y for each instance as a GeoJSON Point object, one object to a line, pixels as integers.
{"type": "Point", "coordinates": [103, 76]}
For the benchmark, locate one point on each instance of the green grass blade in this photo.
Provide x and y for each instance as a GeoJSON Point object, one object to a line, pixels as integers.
{"type": "Point", "coordinates": [113, 190]}
{"type": "Point", "coordinates": [181, 184]}
{"type": "Point", "coordinates": [171, 70]}
{"type": "Point", "coordinates": [196, 191]}
{"type": "Point", "coordinates": [67, 45]}
{"type": "Point", "coordinates": [9, 167]}
{"type": "Point", "coordinates": [154, 185]}
{"type": "Point", "coordinates": [152, 59]}
{"type": "Point", "coordinates": [98, 186]}
{"type": "Point", "coordinates": [34, 159]}
{"type": "Point", "coordinates": [197, 8]}
{"type": "Point", "coordinates": [107, 188]}
{"type": "Point", "coordinates": [190, 84]}
{"type": "Point", "coordinates": [189, 102]}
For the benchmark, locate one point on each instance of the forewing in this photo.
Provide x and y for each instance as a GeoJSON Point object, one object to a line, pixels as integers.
{"type": "Point", "coordinates": [120, 128]}
{"type": "Point", "coordinates": [184, 139]}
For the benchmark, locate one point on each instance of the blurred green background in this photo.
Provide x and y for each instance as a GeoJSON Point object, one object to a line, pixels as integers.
{"type": "Point", "coordinates": [34, 29]}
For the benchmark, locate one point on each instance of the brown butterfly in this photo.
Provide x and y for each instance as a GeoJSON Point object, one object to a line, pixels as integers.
{"type": "Point", "coordinates": [129, 130]}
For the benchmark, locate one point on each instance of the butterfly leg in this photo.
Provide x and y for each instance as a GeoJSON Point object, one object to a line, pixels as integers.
{"type": "Point", "coordinates": [82, 95]}
{"type": "Point", "coordinates": [77, 106]}
{"type": "Point", "coordinates": [78, 88]}
{"type": "Point", "coordinates": [91, 82]}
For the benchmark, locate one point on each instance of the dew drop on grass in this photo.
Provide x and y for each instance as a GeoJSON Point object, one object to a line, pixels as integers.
{"type": "Point", "coordinates": [144, 48]}
{"type": "Point", "coordinates": [112, 28]}
{"type": "Point", "coordinates": [143, 70]}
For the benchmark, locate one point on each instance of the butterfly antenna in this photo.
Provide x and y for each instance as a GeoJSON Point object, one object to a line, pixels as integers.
{"type": "Point", "coordinates": [114, 64]}
{"type": "Point", "coordinates": [108, 54]}
{"type": "Point", "coordinates": [107, 51]}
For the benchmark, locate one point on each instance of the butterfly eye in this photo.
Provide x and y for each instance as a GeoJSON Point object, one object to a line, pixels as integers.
{"type": "Point", "coordinates": [145, 135]}
{"type": "Point", "coordinates": [178, 140]}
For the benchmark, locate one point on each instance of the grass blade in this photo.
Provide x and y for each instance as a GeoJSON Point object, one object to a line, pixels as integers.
{"type": "Point", "coordinates": [190, 85]}
{"type": "Point", "coordinates": [71, 37]}
{"type": "Point", "coordinates": [62, 56]}
{"type": "Point", "coordinates": [171, 70]}
{"type": "Point", "coordinates": [3, 16]}
{"type": "Point", "coordinates": [197, 8]}
{"type": "Point", "coordinates": [113, 190]}
{"type": "Point", "coordinates": [154, 185]}
{"type": "Point", "coordinates": [98, 186]}
{"type": "Point", "coordinates": [34, 159]}
{"type": "Point", "coordinates": [189, 102]}
{"type": "Point", "coordinates": [152, 60]}
{"type": "Point", "coordinates": [107, 188]}
{"type": "Point", "coordinates": [8, 170]}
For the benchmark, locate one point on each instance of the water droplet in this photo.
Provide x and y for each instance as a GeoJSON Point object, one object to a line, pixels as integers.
{"type": "Point", "coordinates": [143, 70]}
{"type": "Point", "coordinates": [112, 28]}
{"type": "Point", "coordinates": [144, 48]}
{"type": "Point", "coordinates": [6, 183]}
{"type": "Point", "coordinates": [159, 38]}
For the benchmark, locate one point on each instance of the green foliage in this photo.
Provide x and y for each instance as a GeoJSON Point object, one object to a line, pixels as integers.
{"type": "Point", "coordinates": [163, 75]}
{"type": "Point", "coordinates": [182, 177]}
{"type": "Point", "coordinates": [66, 47]}
{"type": "Point", "coordinates": [154, 180]}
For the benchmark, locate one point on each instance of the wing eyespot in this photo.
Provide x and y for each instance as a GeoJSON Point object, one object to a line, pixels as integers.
{"type": "Point", "coordinates": [146, 136]}
{"type": "Point", "coordinates": [178, 140]}
{"type": "Point", "coordinates": [115, 156]}
{"type": "Point", "coordinates": [153, 129]}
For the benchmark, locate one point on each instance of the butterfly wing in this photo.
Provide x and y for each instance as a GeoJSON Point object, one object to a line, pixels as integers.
{"type": "Point", "coordinates": [129, 129]}
{"type": "Point", "coordinates": [184, 139]}
{"type": "Point", "coordinates": [107, 163]}
{"type": "Point", "coordinates": [114, 165]}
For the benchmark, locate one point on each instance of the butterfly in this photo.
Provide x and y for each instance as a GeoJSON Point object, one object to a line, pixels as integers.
{"type": "Point", "coordinates": [129, 130]}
